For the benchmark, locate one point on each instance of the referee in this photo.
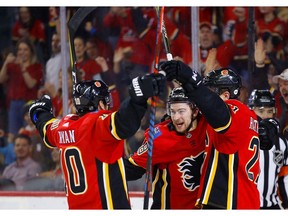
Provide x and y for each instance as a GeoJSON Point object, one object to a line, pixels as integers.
{"type": "Point", "coordinates": [273, 153]}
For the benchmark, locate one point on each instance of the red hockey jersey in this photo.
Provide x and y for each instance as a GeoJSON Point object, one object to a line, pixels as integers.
{"type": "Point", "coordinates": [231, 166]}
{"type": "Point", "coordinates": [177, 161]}
{"type": "Point", "coordinates": [91, 159]}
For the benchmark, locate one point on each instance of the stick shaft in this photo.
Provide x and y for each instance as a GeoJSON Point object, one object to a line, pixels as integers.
{"type": "Point", "coordinates": [73, 25]}
{"type": "Point", "coordinates": [148, 177]}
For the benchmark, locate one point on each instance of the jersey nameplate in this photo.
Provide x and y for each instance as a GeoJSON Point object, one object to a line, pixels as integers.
{"type": "Point", "coordinates": [253, 125]}
{"type": "Point", "coordinates": [66, 137]}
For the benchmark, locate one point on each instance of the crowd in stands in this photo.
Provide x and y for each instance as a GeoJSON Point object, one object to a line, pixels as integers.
{"type": "Point", "coordinates": [116, 44]}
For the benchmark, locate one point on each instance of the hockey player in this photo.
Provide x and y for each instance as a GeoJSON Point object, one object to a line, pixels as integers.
{"type": "Point", "coordinates": [273, 152]}
{"type": "Point", "coordinates": [231, 166]}
{"type": "Point", "coordinates": [178, 153]}
{"type": "Point", "coordinates": [91, 142]}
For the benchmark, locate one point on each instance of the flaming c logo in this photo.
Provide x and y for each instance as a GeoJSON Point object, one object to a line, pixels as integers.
{"type": "Point", "coordinates": [190, 168]}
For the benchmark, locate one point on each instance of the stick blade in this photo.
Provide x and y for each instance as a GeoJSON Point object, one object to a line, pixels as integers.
{"type": "Point", "coordinates": [78, 18]}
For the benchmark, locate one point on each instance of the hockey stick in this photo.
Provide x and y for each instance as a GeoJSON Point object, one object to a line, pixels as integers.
{"type": "Point", "coordinates": [148, 177]}
{"type": "Point", "coordinates": [73, 25]}
{"type": "Point", "coordinates": [165, 36]}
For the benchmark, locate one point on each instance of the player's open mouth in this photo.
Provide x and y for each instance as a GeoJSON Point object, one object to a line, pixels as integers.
{"type": "Point", "coordinates": [179, 124]}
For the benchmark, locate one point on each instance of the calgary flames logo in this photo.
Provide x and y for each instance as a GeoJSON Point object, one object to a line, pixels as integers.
{"type": "Point", "coordinates": [224, 72]}
{"type": "Point", "coordinates": [190, 168]}
{"type": "Point", "coordinates": [97, 84]}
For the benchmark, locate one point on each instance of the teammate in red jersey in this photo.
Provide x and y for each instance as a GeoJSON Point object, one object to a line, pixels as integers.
{"type": "Point", "coordinates": [178, 153]}
{"type": "Point", "coordinates": [91, 142]}
{"type": "Point", "coordinates": [231, 166]}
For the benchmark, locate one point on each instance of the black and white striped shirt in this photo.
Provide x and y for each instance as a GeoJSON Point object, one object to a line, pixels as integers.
{"type": "Point", "coordinates": [270, 165]}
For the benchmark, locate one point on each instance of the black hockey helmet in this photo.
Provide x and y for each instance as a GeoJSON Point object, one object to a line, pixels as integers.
{"type": "Point", "coordinates": [178, 95]}
{"type": "Point", "coordinates": [261, 98]}
{"type": "Point", "coordinates": [87, 95]}
{"type": "Point", "coordinates": [224, 79]}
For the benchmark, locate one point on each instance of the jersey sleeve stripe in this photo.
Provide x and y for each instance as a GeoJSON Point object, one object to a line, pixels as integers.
{"type": "Point", "coordinates": [113, 127]}
{"type": "Point", "coordinates": [224, 127]}
{"type": "Point", "coordinates": [132, 161]}
{"type": "Point", "coordinates": [45, 140]}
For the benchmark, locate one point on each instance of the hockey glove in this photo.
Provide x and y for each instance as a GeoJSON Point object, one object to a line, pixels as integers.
{"type": "Point", "coordinates": [268, 133]}
{"type": "Point", "coordinates": [43, 105]}
{"type": "Point", "coordinates": [189, 78]}
{"type": "Point", "coordinates": [147, 86]}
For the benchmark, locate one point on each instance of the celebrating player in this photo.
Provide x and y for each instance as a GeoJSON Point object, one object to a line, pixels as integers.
{"type": "Point", "coordinates": [231, 166]}
{"type": "Point", "coordinates": [91, 142]}
{"type": "Point", "coordinates": [273, 152]}
{"type": "Point", "coordinates": [178, 153]}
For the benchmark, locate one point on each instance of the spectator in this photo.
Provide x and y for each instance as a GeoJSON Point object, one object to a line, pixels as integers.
{"type": "Point", "coordinates": [56, 94]}
{"type": "Point", "coordinates": [54, 64]}
{"type": "Point", "coordinates": [207, 43]}
{"type": "Point", "coordinates": [88, 67]}
{"type": "Point", "coordinates": [268, 21]}
{"type": "Point", "coordinates": [96, 47]}
{"type": "Point", "coordinates": [39, 154]}
{"type": "Point", "coordinates": [51, 180]}
{"type": "Point", "coordinates": [134, 63]}
{"type": "Point", "coordinates": [273, 152]}
{"type": "Point", "coordinates": [95, 50]}
{"type": "Point", "coordinates": [27, 26]}
{"type": "Point", "coordinates": [22, 75]}
{"type": "Point", "coordinates": [262, 77]}
{"type": "Point", "coordinates": [282, 101]}
{"type": "Point", "coordinates": [7, 151]}
{"type": "Point", "coordinates": [24, 167]}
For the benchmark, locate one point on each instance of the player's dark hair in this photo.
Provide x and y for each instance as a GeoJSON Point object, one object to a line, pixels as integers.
{"type": "Point", "coordinates": [178, 95]}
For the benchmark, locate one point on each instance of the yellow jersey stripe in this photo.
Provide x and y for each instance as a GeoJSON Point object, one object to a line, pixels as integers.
{"type": "Point", "coordinates": [122, 171]}
{"type": "Point", "coordinates": [155, 181]}
{"type": "Point", "coordinates": [224, 127]}
{"type": "Point", "coordinates": [211, 177]}
{"type": "Point", "coordinates": [107, 186]}
{"type": "Point", "coordinates": [164, 187]}
{"type": "Point", "coordinates": [230, 181]}
{"type": "Point", "coordinates": [113, 129]}
{"type": "Point", "coordinates": [45, 130]}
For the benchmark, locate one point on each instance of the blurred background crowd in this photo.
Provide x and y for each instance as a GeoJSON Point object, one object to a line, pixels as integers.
{"type": "Point", "coordinates": [116, 44]}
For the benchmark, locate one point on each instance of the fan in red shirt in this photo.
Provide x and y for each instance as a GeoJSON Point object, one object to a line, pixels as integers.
{"type": "Point", "coordinates": [178, 153]}
{"type": "Point", "coordinates": [28, 26]}
{"type": "Point", "coordinates": [130, 36]}
{"type": "Point", "coordinates": [231, 166]}
{"type": "Point", "coordinates": [22, 75]}
{"type": "Point", "coordinates": [91, 141]}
